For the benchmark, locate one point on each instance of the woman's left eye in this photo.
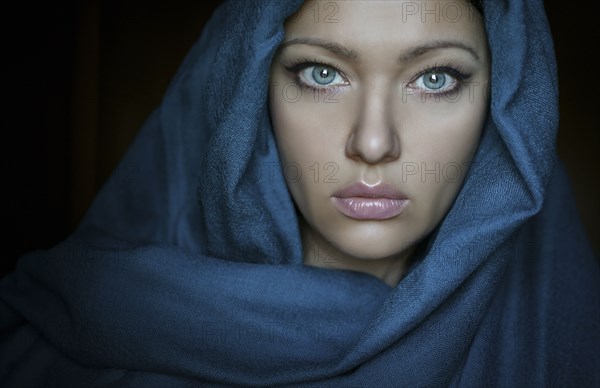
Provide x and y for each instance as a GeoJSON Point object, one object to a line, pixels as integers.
{"type": "Point", "coordinates": [438, 81]}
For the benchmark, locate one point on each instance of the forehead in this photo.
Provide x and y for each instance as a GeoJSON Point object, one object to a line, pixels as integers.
{"type": "Point", "coordinates": [387, 24]}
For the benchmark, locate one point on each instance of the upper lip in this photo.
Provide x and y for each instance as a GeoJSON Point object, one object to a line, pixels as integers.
{"type": "Point", "coordinates": [381, 190]}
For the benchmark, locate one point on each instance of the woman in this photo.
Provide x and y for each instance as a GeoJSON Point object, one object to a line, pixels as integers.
{"type": "Point", "coordinates": [362, 137]}
{"type": "Point", "coordinates": [376, 163]}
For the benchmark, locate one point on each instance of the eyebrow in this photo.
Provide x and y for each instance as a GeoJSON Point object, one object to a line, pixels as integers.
{"type": "Point", "coordinates": [408, 55]}
{"type": "Point", "coordinates": [333, 47]}
{"type": "Point", "coordinates": [435, 45]}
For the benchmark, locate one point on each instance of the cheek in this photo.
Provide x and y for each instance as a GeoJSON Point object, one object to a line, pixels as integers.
{"type": "Point", "coordinates": [302, 147]}
{"type": "Point", "coordinates": [440, 141]}
{"type": "Point", "coordinates": [308, 130]}
{"type": "Point", "coordinates": [297, 140]}
{"type": "Point", "coordinates": [441, 130]}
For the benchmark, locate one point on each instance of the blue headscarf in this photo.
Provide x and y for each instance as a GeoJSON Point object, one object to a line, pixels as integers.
{"type": "Point", "coordinates": [187, 269]}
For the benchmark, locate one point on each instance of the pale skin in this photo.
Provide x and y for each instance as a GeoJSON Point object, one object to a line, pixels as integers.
{"type": "Point", "coordinates": [388, 98]}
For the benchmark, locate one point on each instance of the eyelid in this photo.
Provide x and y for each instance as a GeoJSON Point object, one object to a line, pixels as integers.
{"type": "Point", "coordinates": [456, 75]}
{"type": "Point", "coordinates": [297, 67]}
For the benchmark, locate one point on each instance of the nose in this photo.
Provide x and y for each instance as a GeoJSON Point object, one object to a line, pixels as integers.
{"type": "Point", "coordinates": [374, 138]}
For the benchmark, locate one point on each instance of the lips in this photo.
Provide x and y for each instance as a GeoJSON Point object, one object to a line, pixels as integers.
{"type": "Point", "coordinates": [362, 202]}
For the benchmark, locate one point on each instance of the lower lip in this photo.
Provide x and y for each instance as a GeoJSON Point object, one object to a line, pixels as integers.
{"type": "Point", "coordinates": [362, 208]}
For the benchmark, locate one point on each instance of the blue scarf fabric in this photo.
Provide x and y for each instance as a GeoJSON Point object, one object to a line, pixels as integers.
{"type": "Point", "coordinates": [187, 269]}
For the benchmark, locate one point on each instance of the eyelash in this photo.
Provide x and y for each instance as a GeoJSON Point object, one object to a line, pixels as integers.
{"type": "Point", "coordinates": [458, 76]}
{"type": "Point", "coordinates": [297, 66]}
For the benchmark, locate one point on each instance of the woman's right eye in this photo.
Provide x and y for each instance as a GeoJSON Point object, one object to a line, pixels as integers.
{"type": "Point", "coordinates": [318, 76]}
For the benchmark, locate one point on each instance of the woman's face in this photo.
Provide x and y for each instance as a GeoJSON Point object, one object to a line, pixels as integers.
{"type": "Point", "coordinates": [377, 108]}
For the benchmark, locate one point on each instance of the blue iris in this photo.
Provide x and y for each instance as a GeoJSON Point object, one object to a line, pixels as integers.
{"type": "Point", "coordinates": [434, 80]}
{"type": "Point", "coordinates": [323, 75]}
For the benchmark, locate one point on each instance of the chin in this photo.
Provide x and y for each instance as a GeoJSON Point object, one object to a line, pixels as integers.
{"type": "Point", "coordinates": [372, 242]}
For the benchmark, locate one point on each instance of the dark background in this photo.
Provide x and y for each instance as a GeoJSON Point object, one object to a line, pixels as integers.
{"type": "Point", "coordinates": [81, 77]}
